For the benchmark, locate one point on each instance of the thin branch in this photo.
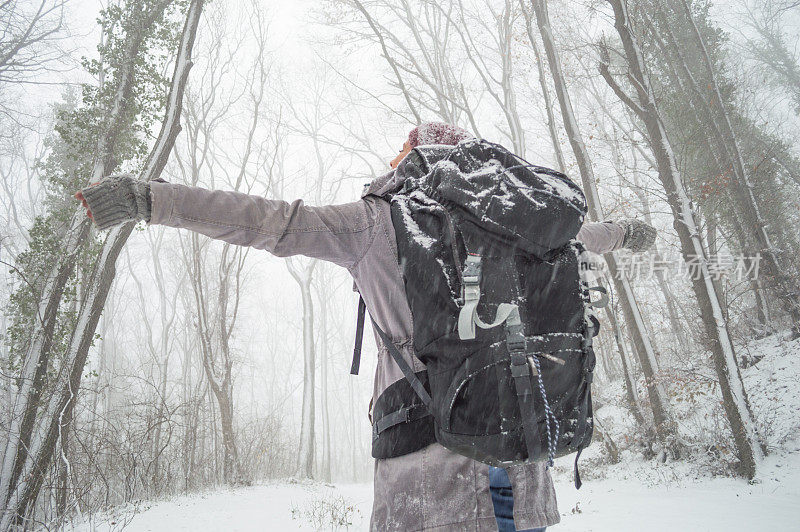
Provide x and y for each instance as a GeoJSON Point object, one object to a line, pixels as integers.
{"type": "Point", "coordinates": [636, 108]}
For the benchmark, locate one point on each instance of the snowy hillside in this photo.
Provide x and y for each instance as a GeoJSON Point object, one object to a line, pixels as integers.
{"type": "Point", "coordinates": [680, 495]}
{"type": "Point", "coordinates": [669, 499]}
{"type": "Point", "coordinates": [633, 494]}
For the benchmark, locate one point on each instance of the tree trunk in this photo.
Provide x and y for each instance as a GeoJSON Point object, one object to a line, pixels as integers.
{"type": "Point", "coordinates": [305, 458]}
{"type": "Point", "coordinates": [629, 376]}
{"type": "Point", "coordinates": [548, 103]}
{"type": "Point", "coordinates": [215, 350]}
{"type": "Point", "coordinates": [326, 418]}
{"type": "Point", "coordinates": [230, 459]}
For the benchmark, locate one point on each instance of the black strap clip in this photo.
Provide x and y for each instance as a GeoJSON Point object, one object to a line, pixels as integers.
{"type": "Point", "coordinates": [515, 339]}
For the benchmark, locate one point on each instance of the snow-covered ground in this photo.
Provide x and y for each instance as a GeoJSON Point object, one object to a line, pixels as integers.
{"type": "Point", "coordinates": [650, 498]}
{"type": "Point", "coordinates": [269, 507]}
{"type": "Point", "coordinates": [633, 495]}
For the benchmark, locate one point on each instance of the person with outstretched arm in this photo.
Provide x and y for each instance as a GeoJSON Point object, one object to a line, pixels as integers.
{"type": "Point", "coordinates": [428, 489]}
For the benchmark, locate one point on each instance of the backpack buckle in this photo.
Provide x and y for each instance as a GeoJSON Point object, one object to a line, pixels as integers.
{"type": "Point", "coordinates": [591, 327]}
{"type": "Point", "coordinates": [515, 340]}
{"type": "Point", "coordinates": [471, 285]}
{"type": "Point", "coordinates": [519, 366]}
{"type": "Point", "coordinates": [587, 341]}
{"type": "Point", "coordinates": [603, 301]}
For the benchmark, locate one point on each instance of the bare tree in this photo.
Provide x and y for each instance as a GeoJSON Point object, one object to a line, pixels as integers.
{"type": "Point", "coordinates": [35, 428]}
{"type": "Point", "coordinates": [747, 440]}
{"type": "Point", "coordinates": [546, 100]}
{"type": "Point", "coordinates": [303, 274]}
{"type": "Point", "coordinates": [500, 88]}
{"type": "Point", "coordinates": [664, 420]}
{"type": "Point", "coordinates": [32, 37]}
{"type": "Point", "coordinates": [21, 185]}
{"type": "Point", "coordinates": [217, 316]}
{"type": "Point", "coordinates": [159, 351]}
{"type": "Point", "coordinates": [773, 47]}
{"type": "Point", "coordinates": [310, 122]}
{"type": "Point", "coordinates": [418, 47]}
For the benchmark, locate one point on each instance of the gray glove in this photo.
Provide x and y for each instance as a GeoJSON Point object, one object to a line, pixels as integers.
{"type": "Point", "coordinates": [639, 236]}
{"type": "Point", "coordinates": [117, 199]}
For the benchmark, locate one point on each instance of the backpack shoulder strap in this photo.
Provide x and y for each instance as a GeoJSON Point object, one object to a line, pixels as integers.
{"type": "Point", "coordinates": [362, 311]}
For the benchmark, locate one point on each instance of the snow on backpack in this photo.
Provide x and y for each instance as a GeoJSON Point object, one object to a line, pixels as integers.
{"type": "Point", "coordinates": [502, 317]}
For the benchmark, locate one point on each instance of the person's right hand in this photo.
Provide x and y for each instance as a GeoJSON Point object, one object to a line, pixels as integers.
{"type": "Point", "coordinates": [116, 199]}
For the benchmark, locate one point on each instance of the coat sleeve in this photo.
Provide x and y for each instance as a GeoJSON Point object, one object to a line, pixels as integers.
{"type": "Point", "coordinates": [336, 233]}
{"type": "Point", "coordinates": [601, 237]}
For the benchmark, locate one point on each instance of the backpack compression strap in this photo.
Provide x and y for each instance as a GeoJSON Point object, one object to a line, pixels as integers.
{"type": "Point", "coordinates": [471, 294]}
{"type": "Point", "coordinates": [419, 388]}
{"type": "Point", "coordinates": [404, 367]}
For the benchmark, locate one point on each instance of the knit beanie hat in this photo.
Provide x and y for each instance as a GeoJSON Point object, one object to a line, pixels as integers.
{"type": "Point", "coordinates": [437, 133]}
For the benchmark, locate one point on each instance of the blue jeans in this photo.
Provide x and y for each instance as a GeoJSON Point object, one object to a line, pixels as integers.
{"type": "Point", "coordinates": [503, 501]}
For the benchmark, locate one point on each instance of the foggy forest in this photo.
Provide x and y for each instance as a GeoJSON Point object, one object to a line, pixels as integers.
{"type": "Point", "coordinates": [153, 378]}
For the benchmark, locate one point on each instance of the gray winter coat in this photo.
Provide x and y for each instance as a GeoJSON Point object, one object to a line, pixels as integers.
{"type": "Point", "coordinates": [432, 489]}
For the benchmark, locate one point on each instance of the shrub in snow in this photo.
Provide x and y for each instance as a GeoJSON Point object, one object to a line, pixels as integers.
{"type": "Point", "coordinates": [327, 513]}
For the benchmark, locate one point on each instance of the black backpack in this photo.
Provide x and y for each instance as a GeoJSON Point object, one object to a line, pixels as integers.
{"type": "Point", "coordinates": [502, 318]}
